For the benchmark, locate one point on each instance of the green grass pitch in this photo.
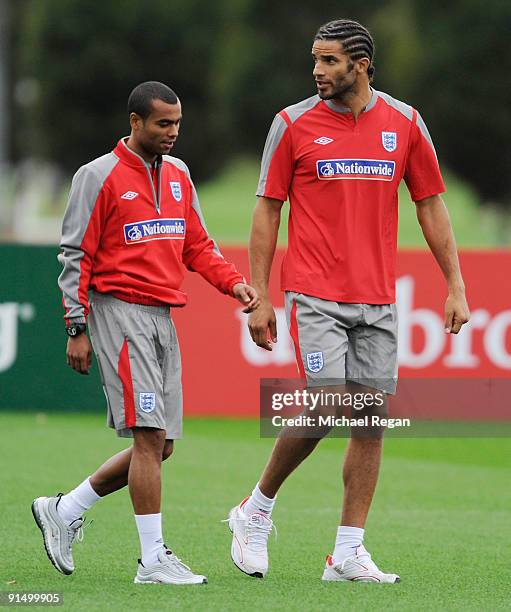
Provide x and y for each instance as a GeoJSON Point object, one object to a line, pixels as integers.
{"type": "Point", "coordinates": [440, 519]}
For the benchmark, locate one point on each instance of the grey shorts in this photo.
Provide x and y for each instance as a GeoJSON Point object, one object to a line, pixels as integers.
{"type": "Point", "coordinates": [337, 342]}
{"type": "Point", "coordinates": [139, 362]}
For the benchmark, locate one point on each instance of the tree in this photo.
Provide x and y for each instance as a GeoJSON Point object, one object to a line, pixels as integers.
{"type": "Point", "coordinates": [87, 56]}
{"type": "Point", "coordinates": [464, 86]}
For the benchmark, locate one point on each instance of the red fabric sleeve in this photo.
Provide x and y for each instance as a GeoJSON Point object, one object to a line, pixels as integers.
{"type": "Point", "coordinates": [201, 254]}
{"type": "Point", "coordinates": [277, 162]}
{"type": "Point", "coordinates": [422, 173]}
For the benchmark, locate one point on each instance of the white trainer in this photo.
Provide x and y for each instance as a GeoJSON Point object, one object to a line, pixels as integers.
{"type": "Point", "coordinates": [169, 570]}
{"type": "Point", "coordinates": [359, 568]}
{"type": "Point", "coordinates": [58, 536]}
{"type": "Point", "coordinates": [249, 548]}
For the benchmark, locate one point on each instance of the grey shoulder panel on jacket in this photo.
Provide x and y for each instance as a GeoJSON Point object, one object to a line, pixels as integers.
{"type": "Point", "coordinates": [295, 111]}
{"type": "Point", "coordinates": [175, 161]}
{"type": "Point", "coordinates": [102, 166]}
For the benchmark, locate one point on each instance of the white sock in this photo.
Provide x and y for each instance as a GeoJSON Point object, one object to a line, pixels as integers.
{"type": "Point", "coordinates": [258, 502]}
{"type": "Point", "coordinates": [76, 502]}
{"type": "Point", "coordinates": [346, 542]}
{"type": "Point", "coordinates": [151, 539]}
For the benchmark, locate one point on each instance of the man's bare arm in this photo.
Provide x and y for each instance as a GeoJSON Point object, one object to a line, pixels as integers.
{"type": "Point", "coordinates": [261, 249]}
{"type": "Point", "coordinates": [436, 226]}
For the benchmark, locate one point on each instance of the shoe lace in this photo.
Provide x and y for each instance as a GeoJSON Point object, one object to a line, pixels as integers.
{"type": "Point", "coordinates": [181, 567]}
{"type": "Point", "coordinates": [363, 557]}
{"type": "Point", "coordinates": [76, 533]}
{"type": "Point", "coordinates": [257, 533]}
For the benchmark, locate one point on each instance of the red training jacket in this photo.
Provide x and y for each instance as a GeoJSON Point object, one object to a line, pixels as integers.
{"type": "Point", "coordinates": [127, 230]}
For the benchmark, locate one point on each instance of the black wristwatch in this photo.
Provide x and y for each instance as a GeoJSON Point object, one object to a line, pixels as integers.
{"type": "Point", "coordinates": [76, 329]}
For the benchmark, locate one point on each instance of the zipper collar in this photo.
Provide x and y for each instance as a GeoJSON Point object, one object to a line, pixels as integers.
{"type": "Point", "coordinates": [128, 156]}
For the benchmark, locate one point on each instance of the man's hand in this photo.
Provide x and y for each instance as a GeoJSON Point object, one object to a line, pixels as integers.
{"type": "Point", "coordinates": [456, 312]}
{"type": "Point", "coordinates": [247, 295]}
{"type": "Point", "coordinates": [262, 322]}
{"type": "Point", "coordinates": [79, 353]}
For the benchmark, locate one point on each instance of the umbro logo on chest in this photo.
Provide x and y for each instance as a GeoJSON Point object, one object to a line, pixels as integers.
{"type": "Point", "coordinates": [323, 140]}
{"type": "Point", "coordinates": [129, 195]}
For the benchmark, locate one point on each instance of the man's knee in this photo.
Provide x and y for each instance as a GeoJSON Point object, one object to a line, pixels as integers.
{"type": "Point", "coordinates": [149, 440]}
{"type": "Point", "coordinates": [168, 449]}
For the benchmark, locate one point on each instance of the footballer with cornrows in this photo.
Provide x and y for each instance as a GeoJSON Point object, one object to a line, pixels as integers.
{"type": "Point", "coordinates": [339, 157]}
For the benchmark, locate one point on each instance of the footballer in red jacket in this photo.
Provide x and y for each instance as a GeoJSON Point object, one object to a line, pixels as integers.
{"type": "Point", "coordinates": [132, 221]}
{"type": "Point", "coordinates": [338, 157]}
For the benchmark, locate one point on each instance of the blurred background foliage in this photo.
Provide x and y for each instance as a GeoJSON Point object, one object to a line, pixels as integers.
{"type": "Point", "coordinates": [235, 63]}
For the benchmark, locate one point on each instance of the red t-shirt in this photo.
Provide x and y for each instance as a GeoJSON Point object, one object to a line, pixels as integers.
{"type": "Point", "coordinates": [341, 178]}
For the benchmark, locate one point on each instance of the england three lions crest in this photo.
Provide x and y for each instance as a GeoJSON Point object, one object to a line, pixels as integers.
{"type": "Point", "coordinates": [315, 362]}
{"type": "Point", "coordinates": [147, 402]}
{"type": "Point", "coordinates": [389, 141]}
{"type": "Point", "coordinates": [175, 188]}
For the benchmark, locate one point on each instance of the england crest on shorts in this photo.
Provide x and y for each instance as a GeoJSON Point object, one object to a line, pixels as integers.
{"type": "Point", "coordinates": [315, 362]}
{"type": "Point", "coordinates": [175, 187]}
{"type": "Point", "coordinates": [389, 141]}
{"type": "Point", "coordinates": [147, 401]}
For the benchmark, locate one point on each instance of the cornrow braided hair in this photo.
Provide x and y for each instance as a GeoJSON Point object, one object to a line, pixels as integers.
{"type": "Point", "coordinates": [356, 40]}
